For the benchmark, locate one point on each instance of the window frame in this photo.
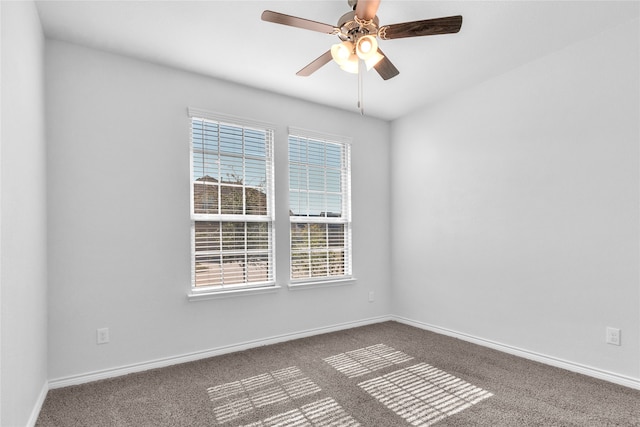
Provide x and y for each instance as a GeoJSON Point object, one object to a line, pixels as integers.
{"type": "Point", "coordinates": [344, 219]}
{"type": "Point", "coordinates": [243, 288]}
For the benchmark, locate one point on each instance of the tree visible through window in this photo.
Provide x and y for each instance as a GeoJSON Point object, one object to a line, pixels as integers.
{"type": "Point", "coordinates": [319, 206]}
{"type": "Point", "coordinates": [231, 211]}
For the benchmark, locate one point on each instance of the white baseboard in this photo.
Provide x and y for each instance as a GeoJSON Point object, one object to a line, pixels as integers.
{"type": "Point", "coordinates": [35, 412]}
{"type": "Point", "coordinates": [531, 355]}
{"type": "Point", "coordinates": [190, 357]}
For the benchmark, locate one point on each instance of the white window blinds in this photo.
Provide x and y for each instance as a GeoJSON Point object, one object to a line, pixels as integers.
{"type": "Point", "coordinates": [319, 205]}
{"type": "Point", "coordinates": [231, 202]}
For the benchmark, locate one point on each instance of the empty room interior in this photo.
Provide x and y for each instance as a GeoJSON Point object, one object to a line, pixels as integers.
{"type": "Point", "coordinates": [176, 201]}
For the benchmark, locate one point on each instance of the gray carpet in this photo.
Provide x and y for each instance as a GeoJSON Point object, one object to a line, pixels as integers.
{"type": "Point", "coordinates": [387, 374]}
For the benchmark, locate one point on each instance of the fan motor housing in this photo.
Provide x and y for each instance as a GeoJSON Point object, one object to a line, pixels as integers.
{"type": "Point", "coordinates": [352, 30]}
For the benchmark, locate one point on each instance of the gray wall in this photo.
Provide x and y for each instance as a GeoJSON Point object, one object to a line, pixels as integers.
{"type": "Point", "coordinates": [23, 257]}
{"type": "Point", "coordinates": [515, 207]}
{"type": "Point", "coordinates": [118, 194]}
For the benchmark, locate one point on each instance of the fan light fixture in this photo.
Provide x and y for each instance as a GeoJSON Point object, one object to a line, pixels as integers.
{"type": "Point", "coordinates": [358, 31]}
{"type": "Point", "coordinates": [347, 54]}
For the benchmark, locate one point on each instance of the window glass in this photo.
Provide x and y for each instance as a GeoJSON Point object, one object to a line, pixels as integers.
{"type": "Point", "coordinates": [319, 208]}
{"type": "Point", "coordinates": [231, 198]}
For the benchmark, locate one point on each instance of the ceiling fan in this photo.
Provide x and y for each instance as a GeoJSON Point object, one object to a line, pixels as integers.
{"type": "Point", "coordinates": [358, 31]}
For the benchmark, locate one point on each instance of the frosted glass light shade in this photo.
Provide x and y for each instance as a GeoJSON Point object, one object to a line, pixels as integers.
{"type": "Point", "coordinates": [373, 60]}
{"type": "Point", "coordinates": [351, 66]}
{"type": "Point", "coordinates": [341, 52]}
{"type": "Point", "coordinates": [366, 47]}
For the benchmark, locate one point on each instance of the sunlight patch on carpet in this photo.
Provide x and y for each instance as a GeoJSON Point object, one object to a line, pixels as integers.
{"type": "Point", "coordinates": [236, 399]}
{"type": "Point", "coordinates": [422, 394]}
{"type": "Point", "coordinates": [323, 413]}
{"type": "Point", "coordinates": [365, 360]}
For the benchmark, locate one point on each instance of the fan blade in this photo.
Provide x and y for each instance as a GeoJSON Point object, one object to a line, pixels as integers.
{"type": "Point", "coordinates": [367, 9]}
{"type": "Point", "coordinates": [293, 21]}
{"type": "Point", "coordinates": [315, 64]}
{"type": "Point", "coordinates": [427, 27]}
{"type": "Point", "coordinates": [385, 68]}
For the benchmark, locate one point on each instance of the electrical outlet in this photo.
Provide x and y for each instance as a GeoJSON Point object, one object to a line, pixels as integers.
{"type": "Point", "coordinates": [102, 336]}
{"type": "Point", "coordinates": [372, 296]}
{"type": "Point", "coordinates": [613, 336]}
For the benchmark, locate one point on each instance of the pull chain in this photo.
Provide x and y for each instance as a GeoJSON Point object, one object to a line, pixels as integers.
{"type": "Point", "coordinates": [360, 102]}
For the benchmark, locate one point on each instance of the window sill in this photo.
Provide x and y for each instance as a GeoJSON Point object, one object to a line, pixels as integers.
{"type": "Point", "coordinates": [205, 295]}
{"type": "Point", "coordinates": [294, 286]}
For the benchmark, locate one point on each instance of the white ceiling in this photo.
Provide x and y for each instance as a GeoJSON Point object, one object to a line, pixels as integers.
{"type": "Point", "coordinates": [228, 40]}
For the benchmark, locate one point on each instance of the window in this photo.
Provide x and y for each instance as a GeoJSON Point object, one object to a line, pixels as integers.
{"type": "Point", "coordinates": [319, 206]}
{"type": "Point", "coordinates": [231, 203]}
